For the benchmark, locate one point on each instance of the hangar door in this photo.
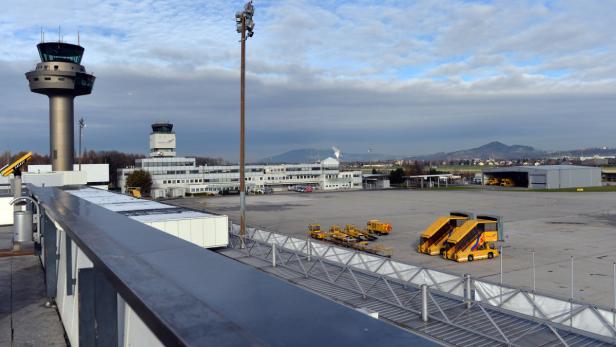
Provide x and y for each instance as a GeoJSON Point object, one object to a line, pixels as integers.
{"type": "Point", "coordinates": [538, 181]}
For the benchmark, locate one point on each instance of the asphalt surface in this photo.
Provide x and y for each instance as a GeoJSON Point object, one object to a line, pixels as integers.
{"type": "Point", "coordinates": [556, 226]}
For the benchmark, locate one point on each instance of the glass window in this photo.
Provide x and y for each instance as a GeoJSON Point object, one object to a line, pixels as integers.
{"type": "Point", "coordinates": [55, 51]}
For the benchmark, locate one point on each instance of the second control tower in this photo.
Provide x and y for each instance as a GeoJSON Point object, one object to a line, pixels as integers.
{"type": "Point", "coordinates": [61, 77]}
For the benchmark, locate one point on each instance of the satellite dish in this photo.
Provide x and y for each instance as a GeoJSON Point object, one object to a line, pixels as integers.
{"type": "Point", "coordinates": [337, 153]}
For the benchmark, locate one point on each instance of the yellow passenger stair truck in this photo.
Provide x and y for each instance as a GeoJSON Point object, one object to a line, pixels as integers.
{"type": "Point", "coordinates": [375, 226]}
{"type": "Point", "coordinates": [432, 240]}
{"type": "Point", "coordinates": [475, 239]}
{"type": "Point", "coordinates": [15, 167]}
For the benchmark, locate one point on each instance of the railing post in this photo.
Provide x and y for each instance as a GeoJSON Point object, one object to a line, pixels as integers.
{"type": "Point", "coordinates": [424, 302]}
{"type": "Point", "coordinates": [309, 243]}
{"type": "Point", "coordinates": [468, 299]}
{"type": "Point", "coordinates": [273, 254]}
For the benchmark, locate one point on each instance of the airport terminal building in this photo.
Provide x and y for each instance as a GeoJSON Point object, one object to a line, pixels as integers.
{"type": "Point", "coordinates": [177, 176]}
{"type": "Point", "coordinates": [545, 176]}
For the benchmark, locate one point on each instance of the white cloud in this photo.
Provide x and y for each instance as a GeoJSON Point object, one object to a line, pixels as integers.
{"type": "Point", "coordinates": [317, 65]}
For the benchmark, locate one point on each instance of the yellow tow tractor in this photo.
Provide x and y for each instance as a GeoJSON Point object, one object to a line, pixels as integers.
{"type": "Point", "coordinates": [432, 240]}
{"type": "Point", "coordinates": [475, 239]}
{"type": "Point", "coordinates": [353, 231]}
{"type": "Point", "coordinates": [493, 181]}
{"type": "Point", "coordinates": [381, 250]}
{"type": "Point", "coordinates": [375, 226]}
{"type": "Point", "coordinates": [507, 182]}
{"type": "Point", "coordinates": [338, 236]}
{"type": "Point", "coordinates": [316, 233]}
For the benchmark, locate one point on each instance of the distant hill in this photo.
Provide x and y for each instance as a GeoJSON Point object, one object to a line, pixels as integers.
{"type": "Point", "coordinates": [492, 150]}
{"type": "Point", "coordinates": [310, 155]}
{"type": "Point", "coordinates": [585, 152]}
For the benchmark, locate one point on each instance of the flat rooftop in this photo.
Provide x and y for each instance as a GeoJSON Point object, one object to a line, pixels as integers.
{"type": "Point", "coordinates": [24, 318]}
{"type": "Point", "coordinates": [555, 225]}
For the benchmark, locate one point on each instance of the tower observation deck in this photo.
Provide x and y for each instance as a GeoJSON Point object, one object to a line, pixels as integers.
{"type": "Point", "coordinates": [162, 140]}
{"type": "Point", "coordinates": [61, 77]}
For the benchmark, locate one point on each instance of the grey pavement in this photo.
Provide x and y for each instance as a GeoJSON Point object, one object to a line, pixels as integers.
{"type": "Point", "coordinates": [555, 225]}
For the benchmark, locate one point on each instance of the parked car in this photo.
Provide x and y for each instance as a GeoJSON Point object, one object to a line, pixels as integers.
{"type": "Point", "coordinates": [268, 190]}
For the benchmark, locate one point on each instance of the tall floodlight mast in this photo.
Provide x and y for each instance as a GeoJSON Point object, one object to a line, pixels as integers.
{"type": "Point", "coordinates": [244, 26]}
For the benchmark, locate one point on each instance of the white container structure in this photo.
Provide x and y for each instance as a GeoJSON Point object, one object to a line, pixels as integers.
{"type": "Point", "coordinates": [203, 229]}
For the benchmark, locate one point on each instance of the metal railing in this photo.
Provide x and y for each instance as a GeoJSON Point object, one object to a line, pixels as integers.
{"type": "Point", "coordinates": [512, 313]}
{"type": "Point", "coordinates": [116, 281]}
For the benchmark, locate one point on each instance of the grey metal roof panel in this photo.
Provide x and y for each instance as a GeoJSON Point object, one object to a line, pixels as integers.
{"type": "Point", "coordinates": [188, 295]}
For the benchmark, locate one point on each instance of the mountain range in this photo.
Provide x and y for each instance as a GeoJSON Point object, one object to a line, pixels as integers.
{"type": "Point", "coordinates": [311, 155]}
{"type": "Point", "coordinates": [492, 150]}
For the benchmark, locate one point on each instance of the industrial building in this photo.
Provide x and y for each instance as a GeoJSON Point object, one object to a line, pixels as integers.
{"type": "Point", "coordinates": [376, 181]}
{"type": "Point", "coordinates": [544, 176]}
{"type": "Point", "coordinates": [177, 176]}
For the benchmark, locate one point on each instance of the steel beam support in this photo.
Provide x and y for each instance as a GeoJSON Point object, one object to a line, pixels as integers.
{"type": "Point", "coordinates": [468, 297]}
{"type": "Point", "coordinates": [332, 256]}
{"type": "Point", "coordinates": [50, 257]}
{"type": "Point", "coordinates": [98, 309]}
{"type": "Point", "coordinates": [68, 264]}
{"type": "Point", "coordinates": [424, 302]}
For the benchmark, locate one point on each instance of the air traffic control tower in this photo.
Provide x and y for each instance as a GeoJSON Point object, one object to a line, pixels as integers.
{"type": "Point", "coordinates": [61, 77]}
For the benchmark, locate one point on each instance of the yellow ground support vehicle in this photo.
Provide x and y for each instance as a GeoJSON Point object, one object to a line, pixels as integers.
{"type": "Point", "coordinates": [432, 240]}
{"type": "Point", "coordinates": [475, 239]}
{"type": "Point", "coordinates": [11, 168]}
{"type": "Point", "coordinates": [493, 181]}
{"type": "Point", "coordinates": [375, 226]}
{"type": "Point", "coordinates": [316, 233]}
{"type": "Point", "coordinates": [353, 231]}
{"type": "Point", "coordinates": [507, 182]}
{"type": "Point", "coordinates": [374, 249]}
{"type": "Point", "coordinates": [337, 236]}
{"type": "Point", "coordinates": [335, 229]}
{"type": "Point", "coordinates": [135, 192]}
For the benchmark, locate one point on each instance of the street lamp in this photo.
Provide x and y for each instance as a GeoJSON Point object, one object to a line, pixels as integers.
{"type": "Point", "coordinates": [82, 124]}
{"type": "Point", "coordinates": [244, 26]}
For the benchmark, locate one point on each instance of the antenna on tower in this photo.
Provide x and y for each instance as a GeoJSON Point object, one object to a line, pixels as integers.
{"type": "Point", "coordinates": [78, 40]}
{"type": "Point", "coordinates": [42, 40]}
{"type": "Point", "coordinates": [59, 34]}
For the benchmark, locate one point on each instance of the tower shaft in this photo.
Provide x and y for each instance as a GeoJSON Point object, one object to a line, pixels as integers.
{"type": "Point", "coordinates": [61, 132]}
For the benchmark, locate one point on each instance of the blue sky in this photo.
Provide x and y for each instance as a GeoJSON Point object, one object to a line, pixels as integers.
{"type": "Point", "coordinates": [402, 77]}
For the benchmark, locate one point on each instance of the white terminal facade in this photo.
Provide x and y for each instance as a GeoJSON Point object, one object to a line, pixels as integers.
{"type": "Point", "coordinates": [177, 176]}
